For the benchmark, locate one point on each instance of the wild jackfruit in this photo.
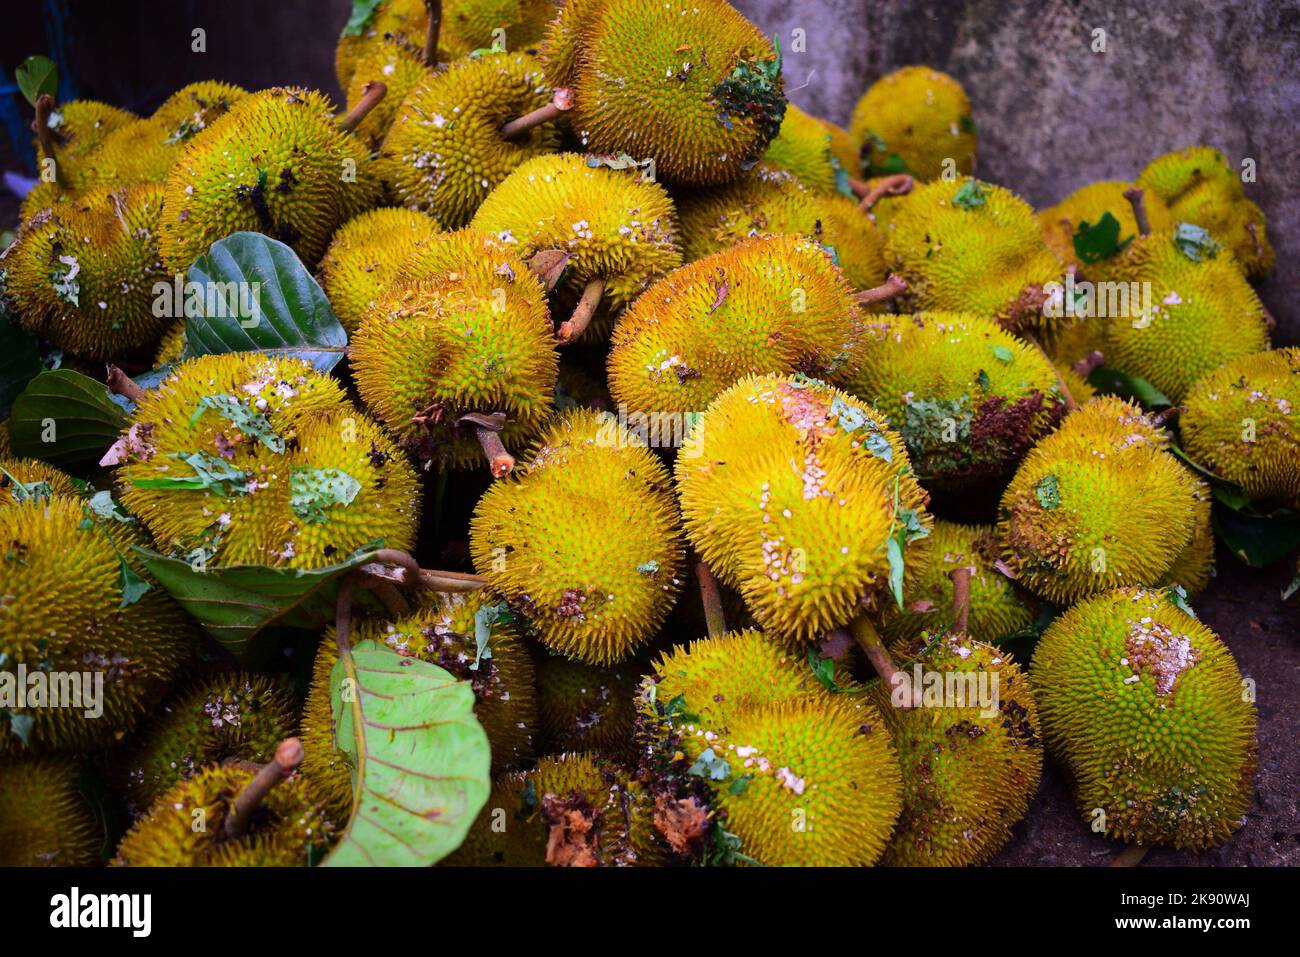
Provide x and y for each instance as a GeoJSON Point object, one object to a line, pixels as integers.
{"type": "Point", "coordinates": [1068, 225]}
{"type": "Point", "coordinates": [44, 820]}
{"type": "Point", "coordinates": [915, 120]}
{"type": "Point", "coordinates": [585, 708]}
{"type": "Point", "coordinates": [803, 148]}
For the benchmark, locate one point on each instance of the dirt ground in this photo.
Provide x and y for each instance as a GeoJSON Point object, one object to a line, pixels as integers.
{"type": "Point", "coordinates": [1243, 605]}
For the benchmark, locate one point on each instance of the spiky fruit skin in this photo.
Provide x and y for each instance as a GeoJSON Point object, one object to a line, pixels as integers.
{"type": "Point", "coordinates": [703, 115]}
{"type": "Point", "coordinates": [911, 121]}
{"type": "Point", "coordinates": [1089, 204]}
{"type": "Point", "coordinates": [614, 225]}
{"type": "Point", "coordinates": [773, 304]}
{"type": "Point", "coordinates": [444, 153]}
{"type": "Point", "coordinates": [986, 258]}
{"type": "Point", "coordinates": [170, 346]}
{"type": "Point", "coordinates": [1242, 422]}
{"type": "Point", "coordinates": [585, 543]}
{"type": "Point", "coordinates": [1200, 316]}
{"type": "Point", "coordinates": [364, 256]}
{"type": "Point", "coordinates": [227, 715]}
{"type": "Point", "coordinates": [30, 472]}
{"type": "Point", "coordinates": [565, 37]}
{"type": "Point", "coordinates": [288, 830]}
{"type": "Point", "coordinates": [803, 147]}
{"type": "Point", "coordinates": [971, 756]}
{"type": "Point", "coordinates": [1098, 504]}
{"type": "Point", "coordinates": [275, 163]}
{"type": "Point", "coordinates": [587, 785]}
{"type": "Point", "coordinates": [1143, 706]}
{"type": "Point", "coordinates": [1200, 186]}
{"type": "Point", "coordinates": [474, 339]}
{"type": "Point", "coordinates": [821, 785]}
{"type": "Point", "coordinates": [83, 125]}
{"type": "Point", "coordinates": [400, 67]}
{"type": "Point", "coordinates": [144, 151]}
{"type": "Point", "coordinates": [997, 611]}
{"type": "Point", "coordinates": [1081, 390]}
{"type": "Point", "coordinates": [791, 498]}
{"type": "Point", "coordinates": [81, 280]}
{"type": "Point", "coordinates": [1194, 566]}
{"type": "Point", "coordinates": [442, 632]}
{"type": "Point", "coordinates": [467, 26]}
{"type": "Point", "coordinates": [585, 708]}
{"type": "Point", "coordinates": [968, 397]}
{"type": "Point", "coordinates": [767, 200]}
{"type": "Point", "coordinates": [58, 556]}
{"type": "Point", "coordinates": [44, 820]}
{"type": "Point", "coordinates": [285, 504]}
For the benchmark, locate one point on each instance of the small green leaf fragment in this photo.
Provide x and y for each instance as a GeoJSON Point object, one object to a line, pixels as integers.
{"type": "Point", "coordinates": [710, 766]}
{"type": "Point", "coordinates": [1195, 242]}
{"type": "Point", "coordinates": [1094, 242]}
{"type": "Point", "coordinates": [970, 195]}
{"type": "Point", "coordinates": [1048, 492]}
{"type": "Point", "coordinates": [312, 491]}
{"type": "Point", "coordinates": [35, 76]}
{"type": "Point", "coordinates": [246, 419]}
{"type": "Point", "coordinates": [484, 619]}
{"type": "Point", "coordinates": [362, 13]}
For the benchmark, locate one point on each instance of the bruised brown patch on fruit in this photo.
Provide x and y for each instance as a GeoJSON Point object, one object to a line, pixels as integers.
{"type": "Point", "coordinates": [574, 829]}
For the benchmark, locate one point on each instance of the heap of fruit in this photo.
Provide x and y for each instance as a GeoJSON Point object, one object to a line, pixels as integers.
{"type": "Point", "coordinates": [812, 520]}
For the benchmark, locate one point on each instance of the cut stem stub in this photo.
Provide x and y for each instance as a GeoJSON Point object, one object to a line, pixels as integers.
{"type": "Point", "coordinates": [371, 94]}
{"type": "Point", "coordinates": [287, 758]}
{"type": "Point", "coordinates": [561, 102]}
{"type": "Point", "coordinates": [576, 324]}
{"type": "Point", "coordinates": [711, 597]}
{"type": "Point", "coordinates": [897, 185]}
{"type": "Point", "coordinates": [868, 639]}
{"type": "Point", "coordinates": [1137, 199]}
{"type": "Point", "coordinates": [892, 287]}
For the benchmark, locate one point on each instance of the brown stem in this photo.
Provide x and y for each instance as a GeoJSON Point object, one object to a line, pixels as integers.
{"type": "Point", "coordinates": [44, 135]}
{"type": "Point", "coordinates": [574, 326]}
{"type": "Point", "coordinates": [1254, 238]}
{"type": "Point", "coordinates": [1166, 416]}
{"type": "Point", "coordinates": [548, 265]}
{"type": "Point", "coordinates": [1137, 200]}
{"type": "Point", "coordinates": [450, 581]}
{"type": "Point", "coordinates": [868, 639]}
{"type": "Point", "coordinates": [500, 461]}
{"type": "Point", "coordinates": [1131, 856]}
{"type": "Point", "coordinates": [431, 31]}
{"type": "Point", "coordinates": [371, 94]}
{"type": "Point", "coordinates": [894, 286]}
{"type": "Point", "coordinates": [1089, 364]}
{"type": "Point", "coordinates": [388, 593]}
{"type": "Point", "coordinates": [859, 187]}
{"type": "Point", "coordinates": [408, 572]}
{"type": "Point", "coordinates": [561, 102]}
{"type": "Point", "coordinates": [287, 758]}
{"type": "Point", "coordinates": [900, 184]}
{"type": "Point", "coordinates": [119, 383]}
{"type": "Point", "coordinates": [960, 596]}
{"type": "Point", "coordinates": [711, 597]}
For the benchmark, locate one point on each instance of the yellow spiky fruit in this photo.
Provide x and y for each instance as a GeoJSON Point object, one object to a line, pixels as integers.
{"type": "Point", "coordinates": [248, 458]}
{"type": "Point", "coordinates": [585, 708]}
{"type": "Point", "coordinates": [364, 256]}
{"type": "Point", "coordinates": [1088, 205]}
{"type": "Point", "coordinates": [289, 829]}
{"type": "Point", "coordinates": [40, 198]}
{"type": "Point", "coordinates": [444, 153]}
{"type": "Point", "coordinates": [584, 544]}
{"type": "Point", "coordinates": [1081, 390]}
{"type": "Point", "coordinates": [803, 147]}
{"type": "Point", "coordinates": [1143, 706]}
{"type": "Point", "coordinates": [1200, 186]}
{"type": "Point", "coordinates": [195, 107]}
{"type": "Point", "coordinates": [401, 69]}
{"type": "Point", "coordinates": [1098, 504]}
{"type": "Point", "coordinates": [792, 495]}
{"type": "Point", "coordinates": [277, 163]}
{"type": "Point", "coordinates": [475, 338]}
{"type": "Point", "coordinates": [915, 120]}
{"type": "Point", "coordinates": [78, 127]}
{"type": "Point", "coordinates": [966, 246]}
{"type": "Point", "coordinates": [467, 26]}
{"type": "Point", "coordinates": [82, 273]}
{"type": "Point", "coordinates": [1194, 566]}
{"type": "Point", "coordinates": [212, 719]}
{"type": "Point", "coordinates": [116, 635]}
{"type": "Point", "coordinates": [46, 477]}
{"type": "Point", "coordinates": [442, 632]}
{"type": "Point", "coordinates": [572, 810]}
{"type": "Point", "coordinates": [767, 201]}
{"type": "Point", "coordinates": [773, 304]}
{"type": "Point", "coordinates": [44, 820]}
{"type": "Point", "coordinates": [690, 84]}
{"type": "Point", "coordinates": [1242, 422]}
{"type": "Point", "coordinates": [970, 756]}
{"type": "Point", "coordinates": [615, 226]}
{"type": "Point", "coordinates": [997, 611]}
{"type": "Point", "coordinates": [170, 346]}
{"type": "Point", "coordinates": [968, 398]}
{"type": "Point", "coordinates": [1196, 311]}
{"type": "Point", "coordinates": [564, 38]}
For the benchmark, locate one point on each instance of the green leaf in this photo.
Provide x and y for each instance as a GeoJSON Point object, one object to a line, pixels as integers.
{"type": "Point", "coordinates": [1094, 242]}
{"type": "Point", "coordinates": [234, 603]}
{"type": "Point", "coordinates": [709, 766]}
{"type": "Point", "coordinates": [26, 491]}
{"type": "Point", "coordinates": [896, 567]}
{"type": "Point", "coordinates": [1257, 540]}
{"type": "Point", "coordinates": [20, 360]}
{"type": "Point", "coordinates": [1048, 492]}
{"type": "Point", "coordinates": [823, 669]}
{"type": "Point", "coordinates": [243, 417]}
{"type": "Point", "coordinates": [890, 162]}
{"type": "Point", "coordinates": [1195, 242]}
{"type": "Point", "coordinates": [969, 195]}
{"type": "Point", "coordinates": [312, 491]}
{"type": "Point", "coordinates": [73, 411]}
{"type": "Point", "coordinates": [484, 619]}
{"type": "Point", "coordinates": [132, 585]}
{"type": "Point", "coordinates": [287, 313]}
{"type": "Point", "coordinates": [362, 12]}
{"type": "Point", "coordinates": [419, 758]}
{"type": "Point", "coordinates": [1114, 382]}
{"type": "Point", "coordinates": [1002, 354]}
{"type": "Point", "coordinates": [37, 75]}
{"type": "Point", "coordinates": [1292, 588]}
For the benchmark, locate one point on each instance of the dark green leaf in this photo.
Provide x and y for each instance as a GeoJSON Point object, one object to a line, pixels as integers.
{"type": "Point", "coordinates": [20, 360]}
{"type": "Point", "coordinates": [1195, 242]}
{"type": "Point", "coordinates": [419, 758]}
{"type": "Point", "coordinates": [73, 411]}
{"type": "Point", "coordinates": [289, 314]}
{"type": "Point", "coordinates": [362, 12]}
{"type": "Point", "coordinates": [1094, 242]}
{"type": "Point", "coordinates": [1257, 540]}
{"type": "Point", "coordinates": [37, 75]}
{"type": "Point", "coordinates": [709, 766]}
{"type": "Point", "coordinates": [895, 552]}
{"type": "Point", "coordinates": [132, 585]}
{"type": "Point", "coordinates": [1114, 382]}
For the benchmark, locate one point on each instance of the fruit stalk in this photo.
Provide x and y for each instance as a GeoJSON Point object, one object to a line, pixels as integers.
{"type": "Point", "coordinates": [287, 758]}
{"type": "Point", "coordinates": [41, 127]}
{"type": "Point", "coordinates": [1136, 199]}
{"type": "Point", "coordinates": [371, 94]}
{"type": "Point", "coordinates": [1070, 403]}
{"type": "Point", "coordinates": [961, 597]}
{"type": "Point", "coordinates": [894, 286]}
{"type": "Point", "coordinates": [119, 383]}
{"type": "Point", "coordinates": [561, 102]}
{"type": "Point", "coordinates": [868, 639]}
{"type": "Point", "coordinates": [899, 184]}
{"type": "Point", "coordinates": [573, 327]}
{"type": "Point", "coordinates": [431, 32]}
{"type": "Point", "coordinates": [711, 597]}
